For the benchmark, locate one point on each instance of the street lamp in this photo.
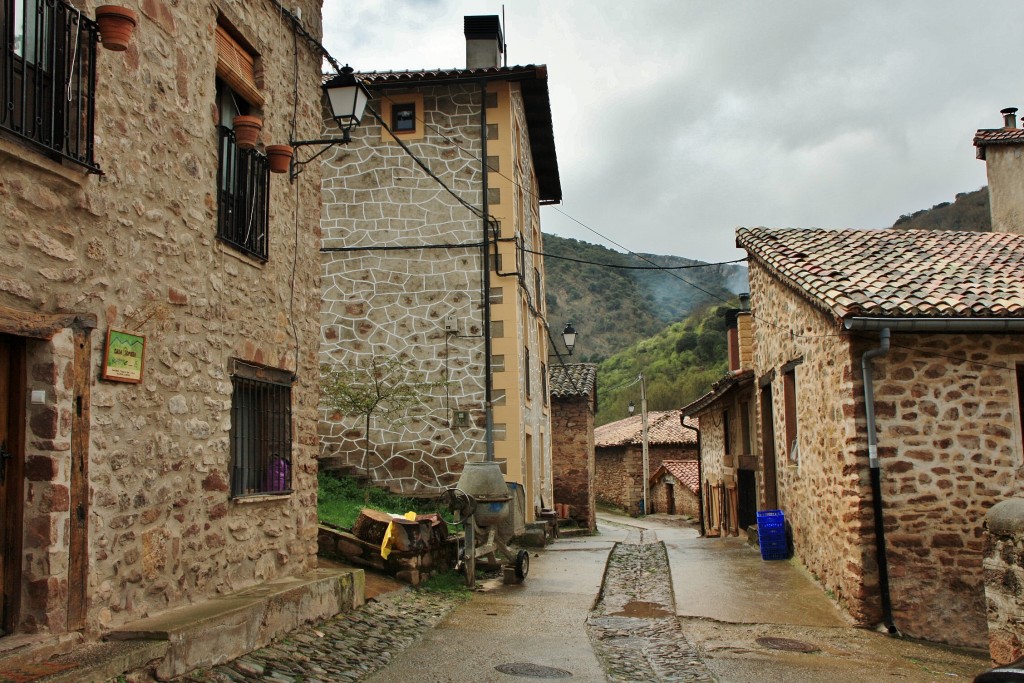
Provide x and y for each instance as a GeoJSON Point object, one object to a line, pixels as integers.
{"type": "Point", "coordinates": [569, 337]}
{"type": "Point", "coordinates": [631, 408]}
{"type": "Point", "coordinates": [347, 97]}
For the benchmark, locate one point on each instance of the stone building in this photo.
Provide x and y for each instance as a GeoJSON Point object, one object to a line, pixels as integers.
{"type": "Point", "coordinates": [159, 311]}
{"type": "Point", "coordinates": [431, 260]}
{"type": "Point", "coordinates": [675, 488]}
{"type": "Point", "coordinates": [619, 471]}
{"type": "Point", "coordinates": [936, 317]}
{"type": "Point", "coordinates": [729, 451]}
{"type": "Point", "coordinates": [573, 406]}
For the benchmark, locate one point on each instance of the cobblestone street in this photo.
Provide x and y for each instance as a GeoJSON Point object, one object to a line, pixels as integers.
{"type": "Point", "coordinates": [633, 627]}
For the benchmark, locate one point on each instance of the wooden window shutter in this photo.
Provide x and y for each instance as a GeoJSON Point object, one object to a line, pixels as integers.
{"type": "Point", "coordinates": [236, 67]}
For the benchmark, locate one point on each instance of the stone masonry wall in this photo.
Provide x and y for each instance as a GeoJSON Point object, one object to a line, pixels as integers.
{"type": "Point", "coordinates": [394, 304]}
{"type": "Point", "coordinates": [1004, 580]}
{"type": "Point", "coordinates": [684, 501]}
{"type": "Point", "coordinates": [949, 444]}
{"type": "Point", "coordinates": [572, 455]}
{"type": "Point", "coordinates": [618, 477]}
{"type": "Point", "coordinates": [825, 496]}
{"type": "Point", "coordinates": [137, 247]}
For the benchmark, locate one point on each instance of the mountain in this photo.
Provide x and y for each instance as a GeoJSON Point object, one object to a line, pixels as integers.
{"type": "Point", "coordinates": [969, 211]}
{"type": "Point", "coordinates": [614, 305]}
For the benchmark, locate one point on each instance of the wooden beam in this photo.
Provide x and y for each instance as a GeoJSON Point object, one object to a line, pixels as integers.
{"type": "Point", "coordinates": [78, 566]}
{"type": "Point", "coordinates": [42, 325]}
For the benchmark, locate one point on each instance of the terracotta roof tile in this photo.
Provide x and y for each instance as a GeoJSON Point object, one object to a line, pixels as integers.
{"type": "Point", "coordinates": [663, 429]}
{"type": "Point", "coordinates": [575, 379]}
{"type": "Point", "coordinates": [897, 273]}
{"type": "Point", "coordinates": [683, 470]}
{"type": "Point", "coordinates": [999, 136]}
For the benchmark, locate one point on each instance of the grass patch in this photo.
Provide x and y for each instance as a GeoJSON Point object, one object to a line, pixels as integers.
{"type": "Point", "coordinates": [447, 583]}
{"type": "Point", "coordinates": [339, 500]}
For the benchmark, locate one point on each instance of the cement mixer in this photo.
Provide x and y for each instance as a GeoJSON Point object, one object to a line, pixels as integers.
{"type": "Point", "coordinates": [480, 502]}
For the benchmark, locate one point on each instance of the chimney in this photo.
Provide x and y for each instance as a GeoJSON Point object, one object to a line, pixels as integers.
{"type": "Point", "coordinates": [484, 42]}
{"type": "Point", "coordinates": [745, 339]}
{"type": "Point", "coordinates": [1009, 117]}
{"type": "Point", "coordinates": [1001, 149]}
{"type": "Point", "coordinates": [732, 339]}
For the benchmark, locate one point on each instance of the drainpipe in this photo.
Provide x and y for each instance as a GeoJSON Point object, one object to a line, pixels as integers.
{"type": "Point", "coordinates": [700, 475]}
{"type": "Point", "coordinates": [486, 249]}
{"type": "Point", "coordinates": [876, 477]}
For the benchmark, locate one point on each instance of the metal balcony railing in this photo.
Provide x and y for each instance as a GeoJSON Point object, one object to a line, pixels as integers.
{"type": "Point", "coordinates": [48, 76]}
{"type": "Point", "coordinates": [243, 197]}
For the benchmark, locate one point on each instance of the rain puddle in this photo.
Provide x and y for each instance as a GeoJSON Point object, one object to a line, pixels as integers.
{"type": "Point", "coordinates": [643, 610]}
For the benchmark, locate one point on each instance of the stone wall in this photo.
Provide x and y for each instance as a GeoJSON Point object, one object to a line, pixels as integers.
{"type": "Point", "coordinates": [394, 304]}
{"type": "Point", "coordinates": [137, 248]}
{"type": "Point", "coordinates": [618, 472]}
{"type": "Point", "coordinates": [949, 444]}
{"type": "Point", "coordinates": [572, 455]}
{"type": "Point", "coordinates": [1004, 580]}
{"type": "Point", "coordinates": [684, 501]}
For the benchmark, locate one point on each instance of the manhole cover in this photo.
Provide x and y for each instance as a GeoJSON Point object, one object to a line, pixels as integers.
{"type": "Point", "coordinates": [787, 644]}
{"type": "Point", "coordinates": [527, 670]}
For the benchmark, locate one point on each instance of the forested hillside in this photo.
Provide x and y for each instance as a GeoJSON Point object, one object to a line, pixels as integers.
{"type": "Point", "coordinates": [679, 363]}
{"type": "Point", "coordinates": [968, 211]}
{"type": "Point", "coordinates": [613, 308]}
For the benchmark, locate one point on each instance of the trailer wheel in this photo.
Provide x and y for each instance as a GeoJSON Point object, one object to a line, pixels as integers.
{"type": "Point", "coordinates": [522, 564]}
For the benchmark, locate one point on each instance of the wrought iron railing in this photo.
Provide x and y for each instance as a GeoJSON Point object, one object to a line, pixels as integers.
{"type": "Point", "coordinates": [243, 196]}
{"type": "Point", "coordinates": [48, 76]}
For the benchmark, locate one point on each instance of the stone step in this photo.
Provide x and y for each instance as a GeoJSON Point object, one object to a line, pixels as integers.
{"type": "Point", "coordinates": [224, 628]}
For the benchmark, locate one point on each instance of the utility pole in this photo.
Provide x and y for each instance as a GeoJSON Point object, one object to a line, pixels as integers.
{"type": "Point", "coordinates": [646, 458]}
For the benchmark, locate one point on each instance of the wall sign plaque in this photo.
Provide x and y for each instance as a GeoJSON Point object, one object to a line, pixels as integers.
{"type": "Point", "coordinates": [123, 356]}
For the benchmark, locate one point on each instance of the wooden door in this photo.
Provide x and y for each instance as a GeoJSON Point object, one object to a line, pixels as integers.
{"type": "Point", "coordinates": [11, 476]}
{"type": "Point", "coordinates": [771, 493]}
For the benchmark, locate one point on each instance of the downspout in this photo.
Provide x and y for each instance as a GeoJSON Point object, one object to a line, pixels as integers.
{"type": "Point", "coordinates": [700, 473]}
{"type": "Point", "coordinates": [486, 248]}
{"type": "Point", "coordinates": [876, 477]}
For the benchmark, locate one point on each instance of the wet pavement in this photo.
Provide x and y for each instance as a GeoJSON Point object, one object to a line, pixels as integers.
{"type": "Point", "coordinates": [674, 607]}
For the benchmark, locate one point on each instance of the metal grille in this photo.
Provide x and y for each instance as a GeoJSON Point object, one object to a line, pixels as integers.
{"type": "Point", "coordinates": [47, 77]}
{"type": "Point", "coordinates": [261, 438]}
{"type": "Point", "coordinates": [243, 197]}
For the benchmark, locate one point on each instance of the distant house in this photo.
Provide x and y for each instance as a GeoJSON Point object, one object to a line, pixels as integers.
{"type": "Point", "coordinates": [431, 254]}
{"type": "Point", "coordinates": [675, 488]}
{"type": "Point", "coordinates": [936, 317]}
{"type": "Point", "coordinates": [619, 474]}
{"type": "Point", "coordinates": [573, 406]}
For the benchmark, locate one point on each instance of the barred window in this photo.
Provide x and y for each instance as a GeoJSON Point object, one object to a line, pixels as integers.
{"type": "Point", "coordinates": [47, 77]}
{"type": "Point", "coordinates": [243, 183]}
{"type": "Point", "coordinates": [261, 437]}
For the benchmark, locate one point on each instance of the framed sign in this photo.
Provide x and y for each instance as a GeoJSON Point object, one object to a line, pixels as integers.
{"type": "Point", "coordinates": [123, 356]}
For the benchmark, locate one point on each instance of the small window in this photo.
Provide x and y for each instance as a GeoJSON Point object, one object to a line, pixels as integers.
{"type": "Point", "coordinates": [500, 431]}
{"type": "Point", "coordinates": [497, 329]}
{"type": "Point", "coordinates": [726, 433]}
{"type": "Point", "coordinates": [544, 382]}
{"type": "Point", "coordinates": [498, 363]}
{"type": "Point", "coordinates": [261, 438]}
{"type": "Point", "coordinates": [789, 408]}
{"type": "Point", "coordinates": [497, 397]}
{"type": "Point", "coordinates": [526, 366]}
{"type": "Point", "coordinates": [497, 295]}
{"type": "Point", "coordinates": [403, 117]}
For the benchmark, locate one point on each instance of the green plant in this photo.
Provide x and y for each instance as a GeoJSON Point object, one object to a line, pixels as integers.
{"type": "Point", "coordinates": [447, 583]}
{"type": "Point", "coordinates": [339, 500]}
{"type": "Point", "coordinates": [383, 387]}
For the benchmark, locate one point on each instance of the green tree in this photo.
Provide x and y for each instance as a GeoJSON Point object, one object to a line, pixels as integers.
{"type": "Point", "coordinates": [382, 387]}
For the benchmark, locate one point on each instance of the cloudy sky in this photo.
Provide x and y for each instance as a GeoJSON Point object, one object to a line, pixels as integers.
{"type": "Point", "coordinates": [677, 121]}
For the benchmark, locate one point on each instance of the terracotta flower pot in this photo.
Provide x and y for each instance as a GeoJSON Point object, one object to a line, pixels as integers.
{"type": "Point", "coordinates": [280, 157]}
{"type": "Point", "coordinates": [247, 130]}
{"type": "Point", "coordinates": [116, 25]}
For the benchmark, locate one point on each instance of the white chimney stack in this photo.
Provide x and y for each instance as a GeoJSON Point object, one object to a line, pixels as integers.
{"type": "Point", "coordinates": [484, 42]}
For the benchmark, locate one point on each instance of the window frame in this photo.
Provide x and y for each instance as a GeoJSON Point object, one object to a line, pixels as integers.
{"type": "Point", "coordinates": [58, 122]}
{"type": "Point", "coordinates": [789, 408]}
{"type": "Point", "coordinates": [261, 425]}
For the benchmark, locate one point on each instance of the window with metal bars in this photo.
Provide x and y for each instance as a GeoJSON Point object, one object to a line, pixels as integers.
{"type": "Point", "coordinates": [47, 77]}
{"type": "Point", "coordinates": [261, 431]}
{"type": "Point", "coordinates": [243, 197]}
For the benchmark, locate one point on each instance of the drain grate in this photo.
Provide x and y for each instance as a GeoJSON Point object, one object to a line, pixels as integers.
{"type": "Point", "coordinates": [787, 644]}
{"type": "Point", "coordinates": [528, 670]}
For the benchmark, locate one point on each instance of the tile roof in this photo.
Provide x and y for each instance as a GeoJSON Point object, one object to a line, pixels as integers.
{"type": "Point", "coordinates": [686, 471]}
{"type": "Point", "coordinates": [999, 136]}
{"type": "Point", "coordinates": [371, 78]}
{"type": "Point", "coordinates": [575, 379]}
{"type": "Point", "coordinates": [896, 273]}
{"type": "Point", "coordinates": [735, 378]}
{"type": "Point", "coordinates": [663, 429]}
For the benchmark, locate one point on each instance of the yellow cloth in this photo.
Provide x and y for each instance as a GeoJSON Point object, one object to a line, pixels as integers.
{"type": "Point", "coordinates": [385, 545]}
